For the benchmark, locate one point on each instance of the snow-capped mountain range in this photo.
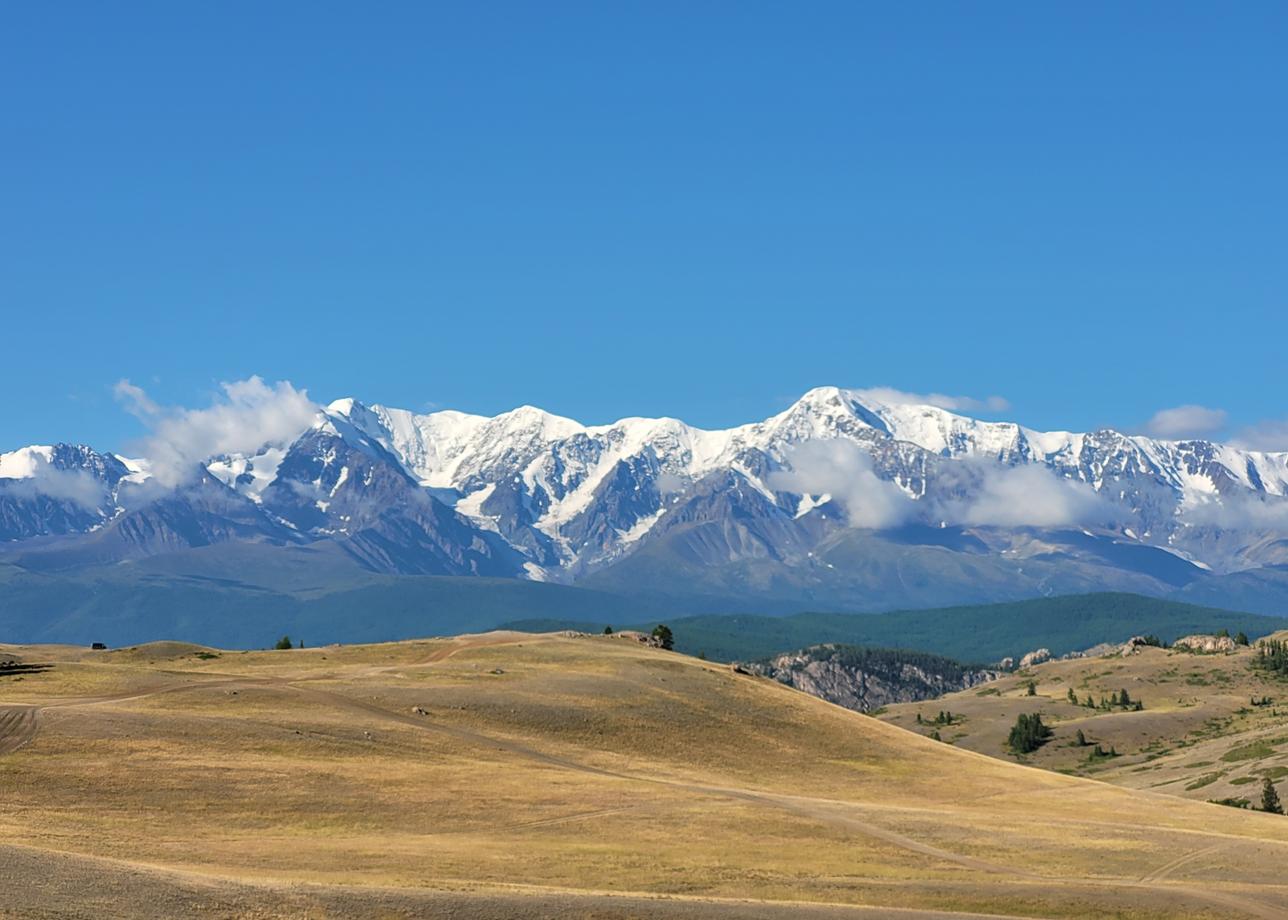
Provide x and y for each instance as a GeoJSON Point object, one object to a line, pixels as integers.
{"type": "Point", "coordinates": [843, 499]}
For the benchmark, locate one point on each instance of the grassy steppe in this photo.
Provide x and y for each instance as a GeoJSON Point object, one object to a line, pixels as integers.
{"type": "Point", "coordinates": [518, 775]}
{"type": "Point", "coordinates": [1200, 735]}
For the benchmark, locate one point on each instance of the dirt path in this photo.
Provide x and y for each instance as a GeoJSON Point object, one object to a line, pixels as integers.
{"type": "Point", "coordinates": [20, 723]}
{"type": "Point", "coordinates": [18, 726]}
{"type": "Point", "coordinates": [833, 812]}
{"type": "Point", "coordinates": [76, 887]}
{"type": "Point", "coordinates": [1168, 868]}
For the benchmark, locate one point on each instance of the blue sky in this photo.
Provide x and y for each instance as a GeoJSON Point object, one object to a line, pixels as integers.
{"type": "Point", "coordinates": [696, 209]}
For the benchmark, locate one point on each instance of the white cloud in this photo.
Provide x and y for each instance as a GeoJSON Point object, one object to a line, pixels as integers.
{"type": "Point", "coordinates": [1189, 421]}
{"type": "Point", "coordinates": [844, 471]}
{"type": "Point", "coordinates": [1239, 512]}
{"type": "Point", "coordinates": [1271, 436]}
{"type": "Point", "coordinates": [76, 486]}
{"type": "Point", "coordinates": [245, 417]}
{"type": "Point", "coordinates": [892, 397]}
{"type": "Point", "coordinates": [1021, 496]}
{"type": "Point", "coordinates": [136, 402]}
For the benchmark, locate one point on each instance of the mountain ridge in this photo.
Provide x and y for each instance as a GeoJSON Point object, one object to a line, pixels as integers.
{"type": "Point", "coordinates": [847, 497]}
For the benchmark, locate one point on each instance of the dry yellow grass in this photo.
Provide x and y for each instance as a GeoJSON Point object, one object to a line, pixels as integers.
{"type": "Point", "coordinates": [517, 775]}
{"type": "Point", "coordinates": [1199, 736]}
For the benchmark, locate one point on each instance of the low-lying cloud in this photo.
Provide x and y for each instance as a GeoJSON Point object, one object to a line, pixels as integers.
{"type": "Point", "coordinates": [1190, 421]}
{"type": "Point", "coordinates": [844, 471]}
{"type": "Point", "coordinates": [1270, 436]}
{"type": "Point", "coordinates": [1240, 512]}
{"type": "Point", "coordinates": [246, 416]}
{"type": "Point", "coordinates": [994, 495]}
{"type": "Point", "coordinates": [45, 481]}
{"type": "Point", "coordinates": [968, 493]}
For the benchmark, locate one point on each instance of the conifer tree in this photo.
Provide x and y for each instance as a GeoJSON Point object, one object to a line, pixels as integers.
{"type": "Point", "coordinates": [1270, 798]}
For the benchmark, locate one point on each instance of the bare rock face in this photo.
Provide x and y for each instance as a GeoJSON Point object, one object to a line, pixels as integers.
{"type": "Point", "coordinates": [641, 637]}
{"type": "Point", "coordinates": [1205, 645]}
{"type": "Point", "coordinates": [1035, 657]}
{"type": "Point", "coordinates": [1133, 646]}
{"type": "Point", "coordinates": [864, 679]}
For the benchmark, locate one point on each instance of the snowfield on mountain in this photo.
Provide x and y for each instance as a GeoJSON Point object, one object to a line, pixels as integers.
{"type": "Point", "coordinates": [848, 499]}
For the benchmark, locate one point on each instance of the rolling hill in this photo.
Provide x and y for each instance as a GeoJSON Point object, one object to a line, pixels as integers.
{"type": "Point", "coordinates": [1212, 726]}
{"type": "Point", "coordinates": [531, 776]}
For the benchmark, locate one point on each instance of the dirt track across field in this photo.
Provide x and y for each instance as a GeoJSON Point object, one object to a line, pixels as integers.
{"type": "Point", "coordinates": [355, 717]}
{"type": "Point", "coordinates": [18, 725]}
{"type": "Point", "coordinates": [88, 888]}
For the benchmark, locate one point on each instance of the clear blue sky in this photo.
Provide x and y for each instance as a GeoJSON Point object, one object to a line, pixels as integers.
{"type": "Point", "coordinates": [608, 209]}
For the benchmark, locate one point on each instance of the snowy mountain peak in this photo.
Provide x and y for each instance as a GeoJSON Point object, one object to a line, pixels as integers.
{"type": "Point", "coordinates": [527, 490]}
{"type": "Point", "coordinates": [25, 461]}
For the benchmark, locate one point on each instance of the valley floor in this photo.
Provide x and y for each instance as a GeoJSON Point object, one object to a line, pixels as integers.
{"type": "Point", "coordinates": [512, 775]}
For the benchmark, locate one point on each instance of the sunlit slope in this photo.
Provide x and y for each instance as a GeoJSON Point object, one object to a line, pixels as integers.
{"type": "Point", "coordinates": [566, 773]}
{"type": "Point", "coordinates": [1212, 726]}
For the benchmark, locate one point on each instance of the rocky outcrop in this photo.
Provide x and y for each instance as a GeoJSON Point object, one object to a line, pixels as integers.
{"type": "Point", "coordinates": [641, 637]}
{"type": "Point", "coordinates": [1133, 645]}
{"type": "Point", "coordinates": [864, 679]}
{"type": "Point", "coordinates": [1205, 645]}
{"type": "Point", "coordinates": [1035, 657]}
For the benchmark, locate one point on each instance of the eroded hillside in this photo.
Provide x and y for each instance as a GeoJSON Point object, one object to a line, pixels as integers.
{"type": "Point", "coordinates": [1201, 726]}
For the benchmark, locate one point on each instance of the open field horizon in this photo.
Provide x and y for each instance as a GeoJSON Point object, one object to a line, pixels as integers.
{"type": "Point", "coordinates": [509, 774]}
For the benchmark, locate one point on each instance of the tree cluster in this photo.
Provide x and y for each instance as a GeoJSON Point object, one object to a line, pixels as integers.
{"type": "Point", "coordinates": [1272, 657]}
{"type": "Point", "coordinates": [1028, 734]}
{"type": "Point", "coordinates": [1099, 753]}
{"type": "Point", "coordinates": [1120, 700]}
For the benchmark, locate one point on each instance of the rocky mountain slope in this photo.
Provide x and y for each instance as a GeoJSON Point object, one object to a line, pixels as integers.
{"type": "Point", "coordinates": [864, 679]}
{"type": "Point", "coordinates": [846, 500]}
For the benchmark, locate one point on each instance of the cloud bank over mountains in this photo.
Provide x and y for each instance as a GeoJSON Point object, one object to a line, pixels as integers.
{"type": "Point", "coordinates": [244, 417]}
{"type": "Point", "coordinates": [979, 492]}
{"type": "Point", "coordinates": [844, 472]}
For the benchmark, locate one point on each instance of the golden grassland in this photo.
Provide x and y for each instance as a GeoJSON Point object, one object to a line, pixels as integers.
{"type": "Point", "coordinates": [517, 775]}
{"type": "Point", "coordinates": [1213, 726]}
